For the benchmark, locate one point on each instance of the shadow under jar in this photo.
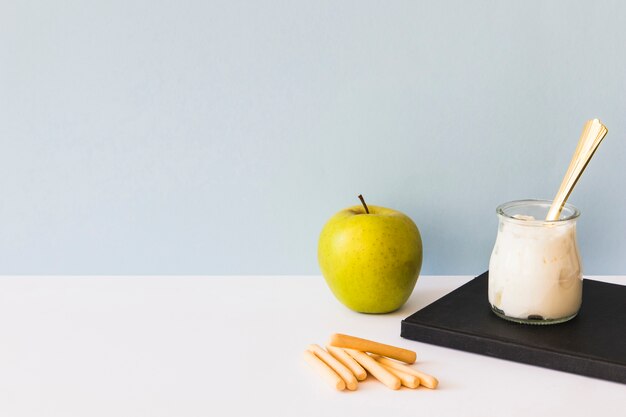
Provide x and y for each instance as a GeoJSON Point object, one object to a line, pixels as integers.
{"type": "Point", "coordinates": [535, 272]}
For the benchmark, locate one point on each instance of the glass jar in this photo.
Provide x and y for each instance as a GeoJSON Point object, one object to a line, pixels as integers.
{"type": "Point", "coordinates": [535, 272]}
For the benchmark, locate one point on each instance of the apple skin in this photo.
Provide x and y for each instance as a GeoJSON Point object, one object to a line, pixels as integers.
{"type": "Point", "coordinates": [371, 262]}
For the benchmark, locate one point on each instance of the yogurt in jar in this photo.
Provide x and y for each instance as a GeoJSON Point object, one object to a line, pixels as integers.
{"type": "Point", "coordinates": [535, 273]}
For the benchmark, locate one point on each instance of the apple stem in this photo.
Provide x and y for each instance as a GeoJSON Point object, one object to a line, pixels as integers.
{"type": "Point", "coordinates": [364, 205]}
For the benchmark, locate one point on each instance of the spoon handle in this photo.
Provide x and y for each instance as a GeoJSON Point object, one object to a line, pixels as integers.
{"type": "Point", "coordinates": [593, 133]}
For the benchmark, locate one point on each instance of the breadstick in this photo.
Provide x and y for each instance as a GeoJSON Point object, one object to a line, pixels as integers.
{"type": "Point", "coordinates": [426, 380]}
{"type": "Point", "coordinates": [348, 361]}
{"type": "Point", "coordinates": [375, 369]}
{"type": "Point", "coordinates": [364, 345]}
{"type": "Point", "coordinates": [321, 368]}
{"type": "Point", "coordinates": [338, 367]}
{"type": "Point", "coordinates": [408, 380]}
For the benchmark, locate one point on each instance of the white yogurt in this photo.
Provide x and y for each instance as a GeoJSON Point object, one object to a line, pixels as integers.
{"type": "Point", "coordinates": [535, 269]}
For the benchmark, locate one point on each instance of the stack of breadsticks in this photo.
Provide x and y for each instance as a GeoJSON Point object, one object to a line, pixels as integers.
{"type": "Point", "coordinates": [348, 359]}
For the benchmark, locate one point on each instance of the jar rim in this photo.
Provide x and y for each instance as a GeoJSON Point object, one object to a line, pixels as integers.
{"type": "Point", "coordinates": [502, 210]}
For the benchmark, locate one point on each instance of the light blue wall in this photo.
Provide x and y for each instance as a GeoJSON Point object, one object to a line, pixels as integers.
{"type": "Point", "coordinates": [206, 137]}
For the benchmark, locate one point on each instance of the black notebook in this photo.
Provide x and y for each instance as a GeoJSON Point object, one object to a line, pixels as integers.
{"type": "Point", "coordinates": [591, 344]}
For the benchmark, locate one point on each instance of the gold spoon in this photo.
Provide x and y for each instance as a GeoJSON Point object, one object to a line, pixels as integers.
{"type": "Point", "coordinates": [593, 133]}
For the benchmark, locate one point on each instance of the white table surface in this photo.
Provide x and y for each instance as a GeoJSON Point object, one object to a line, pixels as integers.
{"type": "Point", "coordinates": [222, 346]}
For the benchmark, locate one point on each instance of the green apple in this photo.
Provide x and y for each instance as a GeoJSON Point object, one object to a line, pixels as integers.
{"type": "Point", "coordinates": [370, 257]}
